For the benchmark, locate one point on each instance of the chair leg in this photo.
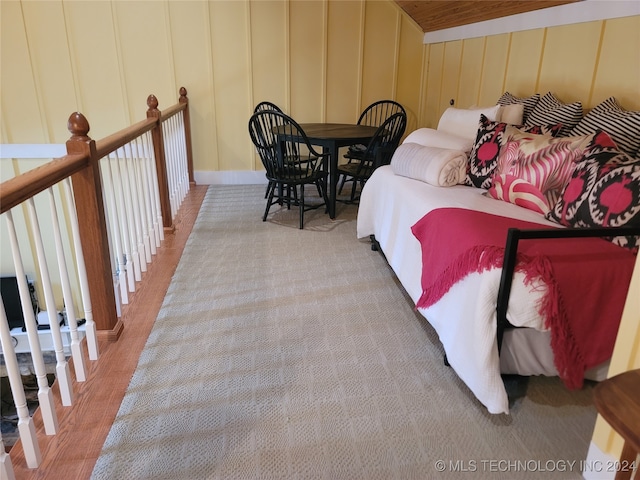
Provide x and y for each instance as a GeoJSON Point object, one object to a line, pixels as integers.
{"type": "Point", "coordinates": [301, 203]}
{"type": "Point", "coordinates": [323, 186]}
{"type": "Point", "coordinates": [266, 192]}
{"type": "Point", "coordinates": [343, 179]}
{"type": "Point", "coordinates": [271, 190]}
{"type": "Point", "coordinates": [353, 189]}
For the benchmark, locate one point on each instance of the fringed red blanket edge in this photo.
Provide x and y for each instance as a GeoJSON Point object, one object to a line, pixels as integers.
{"type": "Point", "coordinates": [567, 357]}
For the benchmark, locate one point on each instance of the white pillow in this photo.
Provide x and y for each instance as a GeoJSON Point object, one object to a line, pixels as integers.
{"type": "Point", "coordinates": [511, 114]}
{"type": "Point", "coordinates": [430, 137]}
{"type": "Point", "coordinates": [442, 167]}
{"type": "Point", "coordinates": [464, 122]}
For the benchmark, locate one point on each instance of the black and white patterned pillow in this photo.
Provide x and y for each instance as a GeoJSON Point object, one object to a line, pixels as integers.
{"type": "Point", "coordinates": [604, 191]}
{"type": "Point", "coordinates": [550, 110]}
{"type": "Point", "coordinates": [623, 126]}
{"type": "Point", "coordinates": [529, 103]}
{"type": "Point", "coordinates": [483, 159]}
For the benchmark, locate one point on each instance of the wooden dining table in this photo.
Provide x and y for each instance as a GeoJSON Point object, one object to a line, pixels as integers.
{"type": "Point", "coordinates": [331, 137]}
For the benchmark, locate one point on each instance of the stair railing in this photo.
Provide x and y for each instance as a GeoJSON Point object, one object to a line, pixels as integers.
{"type": "Point", "coordinates": [117, 197]}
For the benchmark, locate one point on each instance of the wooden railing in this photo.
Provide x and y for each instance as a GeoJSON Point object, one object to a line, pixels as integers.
{"type": "Point", "coordinates": [133, 180]}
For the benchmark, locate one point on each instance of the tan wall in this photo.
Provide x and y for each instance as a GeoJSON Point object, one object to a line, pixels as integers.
{"type": "Point", "coordinates": [587, 61]}
{"type": "Point", "coordinates": [319, 60]}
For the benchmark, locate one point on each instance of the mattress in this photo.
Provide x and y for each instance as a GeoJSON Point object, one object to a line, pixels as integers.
{"type": "Point", "coordinates": [389, 206]}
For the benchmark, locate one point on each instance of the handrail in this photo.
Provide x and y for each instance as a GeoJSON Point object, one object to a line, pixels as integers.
{"type": "Point", "coordinates": [123, 181]}
{"type": "Point", "coordinates": [18, 189]}
{"type": "Point", "coordinates": [81, 164]}
{"type": "Point", "coordinates": [116, 140]}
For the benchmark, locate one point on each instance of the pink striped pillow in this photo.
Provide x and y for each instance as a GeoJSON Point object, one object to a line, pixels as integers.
{"type": "Point", "coordinates": [544, 161]}
{"type": "Point", "coordinates": [519, 192]}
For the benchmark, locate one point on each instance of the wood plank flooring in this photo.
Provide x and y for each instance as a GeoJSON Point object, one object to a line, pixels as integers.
{"type": "Point", "coordinates": [72, 453]}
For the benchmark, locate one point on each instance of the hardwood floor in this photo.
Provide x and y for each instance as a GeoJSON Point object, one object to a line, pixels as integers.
{"type": "Point", "coordinates": [72, 452]}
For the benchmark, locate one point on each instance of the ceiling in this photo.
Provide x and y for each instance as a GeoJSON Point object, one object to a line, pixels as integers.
{"type": "Point", "coordinates": [434, 15]}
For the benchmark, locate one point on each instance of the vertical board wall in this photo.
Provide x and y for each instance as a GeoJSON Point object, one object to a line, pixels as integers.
{"type": "Point", "coordinates": [585, 62]}
{"type": "Point", "coordinates": [320, 60]}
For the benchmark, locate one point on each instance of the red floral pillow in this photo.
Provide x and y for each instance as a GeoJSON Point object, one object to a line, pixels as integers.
{"type": "Point", "coordinates": [483, 158]}
{"type": "Point", "coordinates": [544, 161]}
{"type": "Point", "coordinates": [511, 189]}
{"type": "Point", "coordinates": [604, 191]}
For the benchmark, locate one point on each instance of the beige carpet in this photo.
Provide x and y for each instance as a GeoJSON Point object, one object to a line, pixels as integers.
{"type": "Point", "coordinates": [294, 354]}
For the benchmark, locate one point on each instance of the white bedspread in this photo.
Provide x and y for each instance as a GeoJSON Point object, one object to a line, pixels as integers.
{"type": "Point", "coordinates": [389, 205]}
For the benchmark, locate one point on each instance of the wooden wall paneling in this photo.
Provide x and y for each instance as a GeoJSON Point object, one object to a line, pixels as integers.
{"type": "Point", "coordinates": [21, 121]}
{"type": "Point", "coordinates": [94, 55]}
{"type": "Point", "coordinates": [525, 54]}
{"type": "Point", "coordinates": [494, 67]}
{"type": "Point", "coordinates": [380, 51]}
{"type": "Point", "coordinates": [433, 85]}
{"type": "Point", "coordinates": [49, 55]}
{"type": "Point", "coordinates": [410, 71]}
{"type": "Point", "coordinates": [450, 76]}
{"type": "Point", "coordinates": [191, 42]}
{"type": "Point", "coordinates": [470, 73]}
{"type": "Point", "coordinates": [618, 69]}
{"type": "Point", "coordinates": [344, 61]}
{"type": "Point", "coordinates": [569, 60]}
{"type": "Point", "coordinates": [147, 69]}
{"type": "Point", "coordinates": [268, 71]}
{"type": "Point", "coordinates": [307, 37]}
{"type": "Point", "coordinates": [269, 77]}
{"type": "Point", "coordinates": [231, 88]}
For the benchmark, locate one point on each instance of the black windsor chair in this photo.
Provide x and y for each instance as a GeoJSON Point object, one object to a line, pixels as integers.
{"type": "Point", "coordinates": [261, 107]}
{"type": "Point", "coordinates": [279, 141]}
{"type": "Point", "coordinates": [377, 153]}
{"type": "Point", "coordinates": [374, 116]}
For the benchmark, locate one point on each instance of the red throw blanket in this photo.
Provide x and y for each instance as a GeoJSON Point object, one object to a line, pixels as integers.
{"type": "Point", "coordinates": [587, 279]}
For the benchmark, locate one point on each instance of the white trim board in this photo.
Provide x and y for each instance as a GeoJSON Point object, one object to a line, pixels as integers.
{"type": "Point", "coordinates": [597, 465]}
{"type": "Point", "coordinates": [32, 150]}
{"type": "Point", "coordinates": [228, 177]}
{"type": "Point", "coordinates": [579, 12]}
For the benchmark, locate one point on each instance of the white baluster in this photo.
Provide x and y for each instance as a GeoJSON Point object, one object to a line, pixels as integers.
{"type": "Point", "coordinates": [123, 221]}
{"type": "Point", "coordinates": [90, 325]}
{"type": "Point", "coordinates": [6, 467]}
{"type": "Point", "coordinates": [114, 228]}
{"type": "Point", "coordinates": [76, 349]}
{"type": "Point", "coordinates": [45, 395]}
{"type": "Point", "coordinates": [174, 170]}
{"type": "Point", "coordinates": [62, 369]}
{"type": "Point", "coordinates": [184, 170]}
{"type": "Point", "coordinates": [128, 207]}
{"type": "Point", "coordinates": [136, 204]}
{"type": "Point", "coordinates": [148, 188]}
{"type": "Point", "coordinates": [169, 154]}
{"type": "Point", "coordinates": [26, 426]}
{"type": "Point", "coordinates": [143, 194]}
{"type": "Point", "coordinates": [156, 191]}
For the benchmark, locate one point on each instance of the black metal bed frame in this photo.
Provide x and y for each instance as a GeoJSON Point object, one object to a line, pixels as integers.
{"type": "Point", "coordinates": [514, 235]}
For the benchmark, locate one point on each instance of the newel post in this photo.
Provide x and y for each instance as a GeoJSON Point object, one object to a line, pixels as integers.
{"type": "Point", "coordinates": [87, 190]}
{"type": "Point", "coordinates": [161, 163]}
{"type": "Point", "coordinates": [187, 133]}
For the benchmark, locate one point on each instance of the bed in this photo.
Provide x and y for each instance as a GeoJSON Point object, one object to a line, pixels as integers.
{"type": "Point", "coordinates": [464, 315]}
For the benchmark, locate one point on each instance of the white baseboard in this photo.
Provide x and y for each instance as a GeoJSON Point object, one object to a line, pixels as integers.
{"type": "Point", "coordinates": [598, 465]}
{"type": "Point", "coordinates": [240, 177]}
